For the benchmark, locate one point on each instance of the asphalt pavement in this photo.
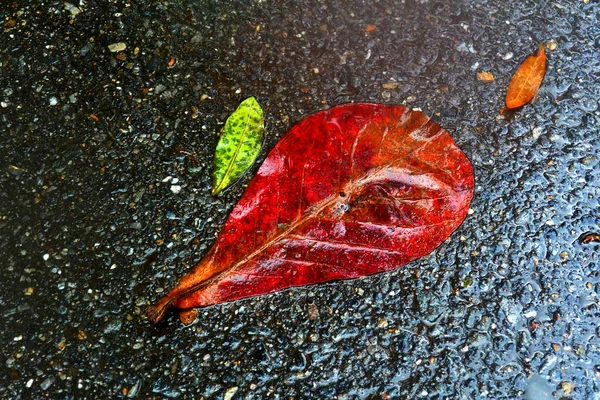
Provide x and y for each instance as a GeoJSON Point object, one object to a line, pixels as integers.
{"type": "Point", "coordinates": [109, 116]}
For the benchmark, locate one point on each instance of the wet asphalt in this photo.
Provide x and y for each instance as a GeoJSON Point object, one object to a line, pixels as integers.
{"type": "Point", "coordinates": [109, 116]}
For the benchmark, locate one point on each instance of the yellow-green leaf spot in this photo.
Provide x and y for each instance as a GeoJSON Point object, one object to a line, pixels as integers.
{"type": "Point", "coordinates": [239, 144]}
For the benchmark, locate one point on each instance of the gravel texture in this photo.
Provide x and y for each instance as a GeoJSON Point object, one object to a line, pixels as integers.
{"type": "Point", "coordinates": [110, 113]}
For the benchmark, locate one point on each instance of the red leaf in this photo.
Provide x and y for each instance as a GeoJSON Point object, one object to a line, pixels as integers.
{"type": "Point", "coordinates": [350, 191]}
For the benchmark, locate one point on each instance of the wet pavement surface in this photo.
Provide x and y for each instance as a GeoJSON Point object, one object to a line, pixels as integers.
{"type": "Point", "coordinates": [110, 113]}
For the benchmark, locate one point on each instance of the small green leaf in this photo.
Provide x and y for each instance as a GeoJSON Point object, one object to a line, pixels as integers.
{"type": "Point", "coordinates": [239, 144]}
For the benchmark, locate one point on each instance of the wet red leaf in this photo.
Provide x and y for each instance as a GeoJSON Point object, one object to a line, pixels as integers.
{"type": "Point", "coordinates": [348, 192]}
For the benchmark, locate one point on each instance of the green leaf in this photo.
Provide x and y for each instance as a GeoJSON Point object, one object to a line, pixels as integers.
{"type": "Point", "coordinates": [239, 144]}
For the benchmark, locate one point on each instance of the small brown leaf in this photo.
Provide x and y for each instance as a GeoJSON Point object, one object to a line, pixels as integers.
{"type": "Point", "coordinates": [390, 85]}
{"type": "Point", "coordinates": [188, 316]}
{"type": "Point", "coordinates": [485, 76]}
{"type": "Point", "coordinates": [589, 237]}
{"type": "Point", "coordinates": [370, 28]}
{"type": "Point", "coordinates": [526, 81]}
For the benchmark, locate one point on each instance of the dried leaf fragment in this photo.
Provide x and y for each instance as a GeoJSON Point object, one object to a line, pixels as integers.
{"type": "Point", "coordinates": [390, 85]}
{"type": "Point", "coordinates": [526, 81]}
{"type": "Point", "coordinates": [188, 316]}
{"type": "Point", "coordinates": [485, 76]}
{"type": "Point", "coordinates": [239, 144]}
{"type": "Point", "coordinates": [589, 237]}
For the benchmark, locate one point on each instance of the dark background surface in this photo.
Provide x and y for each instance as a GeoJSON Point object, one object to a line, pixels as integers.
{"type": "Point", "coordinates": [94, 145]}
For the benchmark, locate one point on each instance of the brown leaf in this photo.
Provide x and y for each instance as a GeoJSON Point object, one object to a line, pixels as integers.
{"type": "Point", "coordinates": [589, 237]}
{"type": "Point", "coordinates": [526, 81]}
{"type": "Point", "coordinates": [485, 76]}
{"type": "Point", "coordinates": [188, 316]}
{"type": "Point", "coordinates": [370, 28]}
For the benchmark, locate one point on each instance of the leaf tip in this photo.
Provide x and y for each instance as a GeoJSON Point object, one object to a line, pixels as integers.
{"type": "Point", "coordinates": [251, 101]}
{"type": "Point", "coordinates": [542, 48]}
